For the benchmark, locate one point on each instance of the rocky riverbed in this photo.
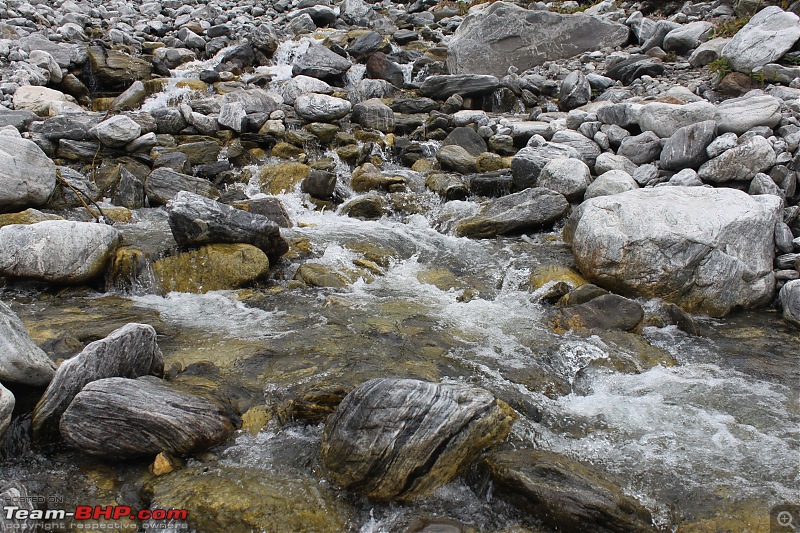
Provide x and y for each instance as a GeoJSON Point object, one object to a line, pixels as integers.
{"type": "Point", "coordinates": [400, 266]}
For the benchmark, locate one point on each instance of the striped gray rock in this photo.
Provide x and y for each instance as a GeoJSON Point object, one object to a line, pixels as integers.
{"type": "Point", "coordinates": [58, 251]}
{"type": "Point", "coordinates": [321, 107]}
{"type": "Point", "coordinates": [709, 250]}
{"type": "Point", "coordinates": [130, 351]}
{"type": "Point", "coordinates": [401, 438]}
{"type": "Point", "coordinates": [196, 220]}
{"type": "Point", "coordinates": [319, 62]}
{"type": "Point", "coordinates": [764, 39]}
{"type": "Point", "coordinates": [443, 86]}
{"type": "Point", "coordinates": [374, 114]}
{"type": "Point", "coordinates": [687, 146]}
{"type": "Point", "coordinates": [21, 361]}
{"type": "Point", "coordinates": [120, 418]}
{"type": "Point", "coordinates": [740, 114]}
{"type": "Point", "coordinates": [739, 163]}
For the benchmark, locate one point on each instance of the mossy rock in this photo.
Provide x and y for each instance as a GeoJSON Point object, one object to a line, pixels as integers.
{"type": "Point", "coordinates": [239, 500]}
{"type": "Point", "coordinates": [210, 268]}
{"type": "Point", "coordinates": [29, 216]}
{"type": "Point", "coordinates": [318, 275]}
{"type": "Point", "coordinates": [194, 85]}
{"type": "Point", "coordinates": [489, 162]}
{"type": "Point", "coordinates": [322, 131]}
{"type": "Point", "coordinates": [283, 178]}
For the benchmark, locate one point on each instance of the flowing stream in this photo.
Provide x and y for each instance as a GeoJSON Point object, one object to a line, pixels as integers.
{"type": "Point", "coordinates": [706, 427]}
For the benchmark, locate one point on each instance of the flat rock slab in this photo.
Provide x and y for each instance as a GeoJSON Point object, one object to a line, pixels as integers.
{"type": "Point", "coordinates": [119, 418]}
{"type": "Point", "coordinates": [21, 361]}
{"type": "Point", "coordinates": [401, 438]}
{"type": "Point", "coordinates": [526, 210]}
{"type": "Point", "coordinates": [59, 251]}
{"type": "Point", "coordinates": [499, 35]}
{"type": "Point", "coordinates": [163, 184]}
{"type": "Point", "coordinates": [130, 351]}
{"type": "Point", "coordinates": [708, 250]}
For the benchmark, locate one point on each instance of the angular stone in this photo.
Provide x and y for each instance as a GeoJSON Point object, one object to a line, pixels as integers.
{"type": "Point", "coordinates": [635, 67]}
{"type": "Point", "coordinates": [130, 351]}
{"type": "Point", "coordinates": [254, 100]}
{"type": "Point", "coordinates": [319, 62]}
{"type": "Point", "coordinates": [641, 149]}
{"type": "Point", "coordinates": [529, 162]}
{"type": "Point", "coordinates": [38, 99]}
{"type": "Point", "coordinates": [708, 52]}
{"type": "Point", "coordinates": [382, 68]}
{"type": "Point", "coordinates": [685, 38]}
{"type": "Point", "coordinates": [687, 146]}
{"type": "Point", "coordinates": [454, 157]}
{"type": "Point", "coordinates": [58, 251]}
{"type": "Point", "coordinates": [116, 70]}
{"type": "Point", "coordinates": [120, 418]}
{"type": "Point", "coordinates": [498, 35]}
{"type": "Point", "coordinates": [516, 213]}
{"type": "Point", "coordinates": [374, 114]}
{"type": "Point", "coordinates": [196, 220]}
{"type": "Point", "coordinates": [740, 163]}
{"type": "Point", "coordinates": [575, 91]}
{"type": "Point", "coordinates": [587, 149]}
{"type": "Point", "coordinates": [291, 89]}
{"type": "Point", "coordinates": [21, 361]}
{"type": "Point", "coordinates": [117, 131]}
{"type": "Point", "coordinates": [707, 250]}
{"type": "Point", "coordinates": [401, 438]}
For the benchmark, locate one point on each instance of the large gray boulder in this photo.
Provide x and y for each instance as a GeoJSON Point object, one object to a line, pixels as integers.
{"type": "Point", "coordinates": [120, 418]}
{"type": "Point", "coordinates": [27, 175]}
{"type": "Point", "coordinates": [59, 251]}
{"type": "Point", "coordinates": [117, 131]}
{"type": "Point", "coordinates": [196, 220]}
{"type": "Point", "coordinates": [764, 39]}
{"type": "Point", "coordinates": [610, 183]}
{"type": "Point", "coordinates": [21, 361]}
{"type": "Point", "coordinates": [526, 210]}
{"type": "Point", "coordinates": [569, 177]}
{"type": "Point", "coordinates": [130, 351]}
{"type": "Point", "coordinates": [321, 107]}
{"type": "Point", "coordinates": [402, 438]}
{"type": "Point", "coordinates": [708, 250]}
{"type": "Point", "coordinates": [739, 163]}
{"type": "Point", "coordinates": [499, 35]}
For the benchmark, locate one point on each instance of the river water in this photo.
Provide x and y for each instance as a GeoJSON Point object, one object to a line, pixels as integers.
{"type": "Point", "coordinates": [703, 429]}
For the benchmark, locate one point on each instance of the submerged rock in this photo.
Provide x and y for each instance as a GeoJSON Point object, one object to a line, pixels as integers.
{"type": "Point", "coordinates": [707, 250]}
{"type": "Point", "coordinates": [21, 361]}
{"type": "Point", "coordinates": [130, 351]}
{"type": "Point", "coordinates": [563, 493]}
{"type": "Point", "coordinates": [195, 220]}
{"type": "Point", "coordinates": [401, 438]}
{"type": "Point", "coordinates": [211, 268]}
{"type": "Point", "coordinates": [216, 497]}
{"type": "Point", "coordinates": [58, 251]}
{"type": "Point", "coordinates": [609, 311]}
{"type": "Point", "coordinates": [120, 418]}
{"type": "Point", "coordinates": [526, 210]}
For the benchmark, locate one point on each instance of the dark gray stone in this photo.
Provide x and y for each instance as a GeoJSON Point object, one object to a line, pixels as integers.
{"type": "Point", "coordinates": [442, 86]}
{"type": "Point", "coordinates": [526, 210]}
{"type": "Point", "coordinates": [641, 149]}
{"type": "Point", "coordinates": [163, 184]}
{"type": "Point", "coordinates": [319, 62]}
{"type": "Point", "coordinates": [196, 220]}
{"type": "Point", "coordinates": [687, 146]}
{"type": "Point", "coordinates": [635, 67]}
